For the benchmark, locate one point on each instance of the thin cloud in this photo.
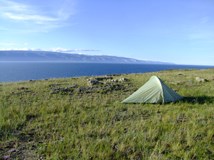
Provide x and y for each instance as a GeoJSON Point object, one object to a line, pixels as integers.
{"type": "Point", "coordinates": [7, 44]}
{"type": "Point", "coordinates": [73, 50]}
{"type": "Point", "coordinates": [32, 17]}
{"type": "Point", "coordinates": [205, 20]}
{"type": "Point", "coordinates": [201, 35]}
{"type": "Point", "coordinates": [65, 50]}
{"type": "Point", "coordinates": [36, 18]}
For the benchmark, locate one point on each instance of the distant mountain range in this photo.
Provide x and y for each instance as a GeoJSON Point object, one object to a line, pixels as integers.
{"type": "Point", "coordinates": [48, 56]}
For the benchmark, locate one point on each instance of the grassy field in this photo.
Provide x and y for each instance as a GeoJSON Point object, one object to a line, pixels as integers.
{"type": "Point", "coordinates": [67, 119]}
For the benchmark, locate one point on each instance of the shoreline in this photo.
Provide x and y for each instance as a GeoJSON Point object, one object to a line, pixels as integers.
{"type": "Point", "coordinates": [91, 76]}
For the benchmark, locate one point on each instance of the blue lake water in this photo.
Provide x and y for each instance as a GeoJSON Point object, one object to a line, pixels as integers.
{"type": "Point", "coordinates": [21, 71]}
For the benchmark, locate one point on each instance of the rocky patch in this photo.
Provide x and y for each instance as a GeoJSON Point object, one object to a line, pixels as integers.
{"type": "Point", "coordinates": [21, 91]}
{"type": "Point", "coordinates": [199, 79]}
{"type": "Point", "coordinates": [101, 85]}
{"type": "Point", "coordinates": [104, 84]}
{"type": "Point", "coordinates": [55, 89]}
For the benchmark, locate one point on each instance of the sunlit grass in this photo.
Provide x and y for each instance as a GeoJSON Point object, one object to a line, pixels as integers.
{"type": "Point", "coordinates": [97, 126]}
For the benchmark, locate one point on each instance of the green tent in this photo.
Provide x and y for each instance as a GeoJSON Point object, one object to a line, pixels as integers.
{"type": "Point", "coordinates": [153, 91]}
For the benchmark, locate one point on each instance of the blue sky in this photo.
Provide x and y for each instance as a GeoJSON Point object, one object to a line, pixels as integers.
{"type": "Point", "coordinates": [178, 31]}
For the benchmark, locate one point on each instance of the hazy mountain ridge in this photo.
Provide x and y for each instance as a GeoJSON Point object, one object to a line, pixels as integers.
{"type": "Point", "coordinates": [67, 57]}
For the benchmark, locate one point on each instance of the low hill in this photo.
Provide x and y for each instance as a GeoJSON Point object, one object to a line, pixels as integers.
{"type": "Point", "coordinates": [67, 57]}
{"type": "Point", "coordinates": [83, 118]}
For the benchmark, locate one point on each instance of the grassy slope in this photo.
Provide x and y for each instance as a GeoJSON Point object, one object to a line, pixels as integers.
{"type": "Point", "coordinates": [35, 123]}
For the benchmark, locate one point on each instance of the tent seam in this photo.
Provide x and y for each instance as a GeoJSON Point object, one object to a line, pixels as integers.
{"type": "Point", "coordinates": [159, 82]}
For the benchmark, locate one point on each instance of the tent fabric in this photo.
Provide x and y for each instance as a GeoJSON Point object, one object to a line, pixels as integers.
{"type": "Point", "coordinates": [153, 91]}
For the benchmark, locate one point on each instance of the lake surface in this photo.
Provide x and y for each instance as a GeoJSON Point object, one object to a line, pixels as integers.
{"type": "Point", "coordinates": [21, 71]}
